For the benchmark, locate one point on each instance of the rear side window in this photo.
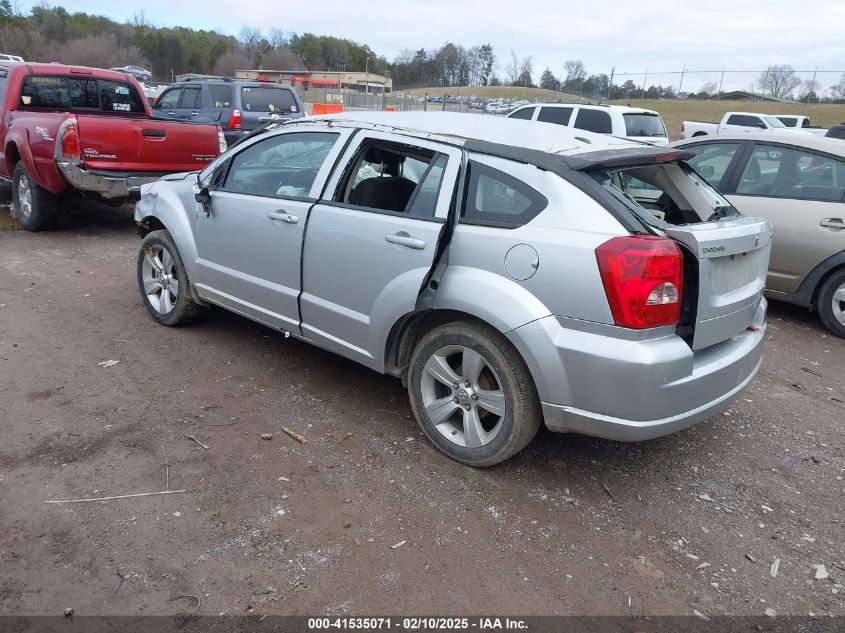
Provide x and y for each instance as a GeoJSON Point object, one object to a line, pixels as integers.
{"type": "Point", "coordinates": [593, 121]}
{"type": "Point", "coordinates": [258, 99]}
{"type": "Point", "coordinates": [221, 96]}
{"type": "Point", "coordinates": [76, 93]}
{"type": "Point", "coordinates": [745, 120]}
{"type": "Point", "coordinates": [523, 113]}
{"type": "Point", "coordinates": [496, 197]}
{"type": "Point", "coordinates": [191, 98]}
{"type": "Point", "coordinates": [643, 125]}
{"type": "Point", "coordinates": [560, 116]}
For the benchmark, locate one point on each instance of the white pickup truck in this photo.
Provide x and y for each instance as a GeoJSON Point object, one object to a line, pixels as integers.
{"type": "Point", "coordinates": [800, 122]}
{"type": "Point", "coordinates": [734, 122]}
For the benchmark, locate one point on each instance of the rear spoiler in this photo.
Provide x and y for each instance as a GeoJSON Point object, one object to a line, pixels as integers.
{"type": "Point", "coordinates": [626, 157]}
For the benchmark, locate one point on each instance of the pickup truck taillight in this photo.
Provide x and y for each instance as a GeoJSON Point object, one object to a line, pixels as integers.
{"type": "Point", "coordinates": [235, 120]}
{"type": "Point", "coordinates": [642, 277]}
{"type": "Point", "coordinates": [68, 141]}
{"type": "Point", "coordinates": [221, 141]}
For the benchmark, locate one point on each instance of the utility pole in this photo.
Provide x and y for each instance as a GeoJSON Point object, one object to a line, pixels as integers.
{"type": "Point", "coordinates": [367, 76]}
{"type": "Point", "coordinates": [766, 79]}
{"type": "Point", "coordinates": [681, 84]}
{"type": "Point", "coordinates": [812, 89]}
{"type": "Point", "coordinates": [610, 86]}
{"type": "Point", "coordinates": [642, 90]}
{"type": "Point", "coordinates": [719, 94]}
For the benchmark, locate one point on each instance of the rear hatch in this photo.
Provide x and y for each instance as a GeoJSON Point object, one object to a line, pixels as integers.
{"type": "Point", "coordinates": [263, 100]}
{"type": "Point", "coordinates": [726, 254]}
{"type": "Point", "coordinates": [129, 144]}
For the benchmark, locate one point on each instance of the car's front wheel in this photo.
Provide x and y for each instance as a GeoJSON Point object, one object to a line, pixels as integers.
{"type": "Point", "coordinates": [163, 280]}
{"type": "Point", "coordinates": [472, 394]}
{"type": "Point", "coordinates": [831, 303]}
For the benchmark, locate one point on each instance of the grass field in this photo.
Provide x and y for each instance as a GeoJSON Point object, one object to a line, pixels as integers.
{"type": "Point", "coordinates": [672, 111]}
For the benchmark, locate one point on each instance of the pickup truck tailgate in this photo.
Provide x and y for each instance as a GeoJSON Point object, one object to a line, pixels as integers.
{"type": "Point", "coordinates": [733, 259]}
{"type": "Point", "coordinates": [144, 145]}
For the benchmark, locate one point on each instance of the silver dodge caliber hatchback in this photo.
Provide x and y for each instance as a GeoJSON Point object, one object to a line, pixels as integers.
{"type": "Point", "coordinates": [509, 272]}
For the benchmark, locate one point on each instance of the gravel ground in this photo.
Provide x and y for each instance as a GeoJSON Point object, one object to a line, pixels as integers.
{"type": "Point", "coordinates": [378, 522]}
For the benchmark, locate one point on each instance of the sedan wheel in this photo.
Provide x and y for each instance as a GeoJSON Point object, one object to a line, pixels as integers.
{"type": "Point", "coordinates": [831, 303]}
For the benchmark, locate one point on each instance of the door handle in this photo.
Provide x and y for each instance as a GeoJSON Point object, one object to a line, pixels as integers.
{"type": "Point", "coordinates": [403, 239]}
{"type": "Point", "coordinates": [287, 218]}
{"type": "Point", "coordinates": [837, 224]}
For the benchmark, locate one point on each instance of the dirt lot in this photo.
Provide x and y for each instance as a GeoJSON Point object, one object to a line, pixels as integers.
{"type": "Point", "coordinates": [572, 525]}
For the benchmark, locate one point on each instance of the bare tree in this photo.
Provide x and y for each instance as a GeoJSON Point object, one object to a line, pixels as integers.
{"type": "Point", "coordinates": [249, 41]}
{"type": "Point", "coordinates": [99, 51]}
{"type": "Point", "coordinates": [512, 69]}
{"type": "Point", "coordinates": [779, 81]}
{"type": "Point", "coordinates": [809, 90]}
{"type": "Point", "coordinates": [526, 71]}
{"type": "Point", "coordinates": [575, 70]}
{"type": "Point", "coordinates": [837, 90]}
{"type": "Point", "coordinates": [228, 63]}
{"type": "Point", "coordinates": [282, 58]}
{"type": "Point", "coordinates": [709, 89]}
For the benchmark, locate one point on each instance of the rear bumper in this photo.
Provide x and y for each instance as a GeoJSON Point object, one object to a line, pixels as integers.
{"type": "Point", "coordinates": [635, 389]}
{"type": "Point", "coordinates": [108, 186]}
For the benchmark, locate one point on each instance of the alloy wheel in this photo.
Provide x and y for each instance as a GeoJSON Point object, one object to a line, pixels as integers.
{"type": "Point", "coordinates": [463, 397]}
{"type": "Point", "coordinates": [161, 282]}
{"type": "Point", "coordinates": [24, 196]}
{"type": "Point", "coordinates": [839, 304]}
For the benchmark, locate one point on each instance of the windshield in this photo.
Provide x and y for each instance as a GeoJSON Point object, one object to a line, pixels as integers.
{"type": "Point", "coordinates": [773, 121]}
{"type": "Point", "coordinates": [273, 100]}
{"type": "Point", "coordinates": [643, 124]}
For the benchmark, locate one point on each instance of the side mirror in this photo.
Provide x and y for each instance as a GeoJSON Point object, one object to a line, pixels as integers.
{"type": "Point", "coordinates": [706, 171]}
{"type": "Point", "coordinates": [204, 198]}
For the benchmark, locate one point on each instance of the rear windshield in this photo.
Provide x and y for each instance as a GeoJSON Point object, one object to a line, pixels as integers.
{"type": "Point", "coordinates": [644, 125]}
{"type": "Point", "coordinates": [260, 99]}
{"type": "Point", "coordinates": [80, 93]}
{"type": "Point", "coordinates": [669, 191]}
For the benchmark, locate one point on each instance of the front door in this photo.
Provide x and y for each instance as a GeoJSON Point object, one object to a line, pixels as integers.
{"type": "Point", "coordinates": [371, 244]}
{"type": "Point", "coordinates": [249, 244]}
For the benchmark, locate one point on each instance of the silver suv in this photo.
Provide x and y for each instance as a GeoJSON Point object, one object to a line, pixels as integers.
{"type": "Point", "coordinates": [509, 272]}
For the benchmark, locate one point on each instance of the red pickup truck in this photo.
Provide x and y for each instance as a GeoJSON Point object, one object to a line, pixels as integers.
{"type": "Point", "coordinates": [86, 131]}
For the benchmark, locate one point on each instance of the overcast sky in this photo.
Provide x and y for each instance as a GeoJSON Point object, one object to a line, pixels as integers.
{"type": "Point", "coordinates": [658, 35]}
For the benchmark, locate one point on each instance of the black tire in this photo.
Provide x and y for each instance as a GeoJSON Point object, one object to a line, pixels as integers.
{"type": "Point", "coordinates": [825, 303]}
{"type": "Point", "coordinates": [699, 134]}
{"type": "Point", "coordinates": [36, 208]}
{"type": "Point", "coordinates": [503, 371]}
{"type": "Point", "coordinates": [160, 245]}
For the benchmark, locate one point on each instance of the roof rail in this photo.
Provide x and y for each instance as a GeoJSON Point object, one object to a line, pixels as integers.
{"type": "Point", "coordinates": [207, 78]}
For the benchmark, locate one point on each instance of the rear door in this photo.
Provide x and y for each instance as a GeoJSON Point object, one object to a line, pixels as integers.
{"type": "Point", "coordinates": [802, 193]}
{"type": "Point", "coordinates": [190, 103]}
{"type": "Point", "coordinates": [249, 244]}
{"type": "Point", "coordinates": [372, 241]}
{"type": "Point", "coordinates": [167, 103]}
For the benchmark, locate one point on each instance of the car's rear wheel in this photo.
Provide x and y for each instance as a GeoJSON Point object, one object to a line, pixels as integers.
{"type": "Point", "coordinates": [472, 394]}
{"type": "Point", "coordinates": [36, 208]}
{"type": "Point", "coordinates": [831, 303]}
{"type": "Point", "coordinates": [163, 281]}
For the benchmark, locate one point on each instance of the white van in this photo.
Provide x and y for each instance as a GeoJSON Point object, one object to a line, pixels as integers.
{"type": "Point", "coordinates": [636, 124]}
{"type": "Point", "coordinates": [10, 58]}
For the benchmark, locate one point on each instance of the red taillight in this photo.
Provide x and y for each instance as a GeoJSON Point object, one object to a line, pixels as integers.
{"type": "Point", "coordinates": [235, 120]}
{"type": "Point", "coordinates": [69, 143]}
{"type": "Point", "coordinates": [682, 127]}
{"type": "Point", "coordinates": [643, 280]}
